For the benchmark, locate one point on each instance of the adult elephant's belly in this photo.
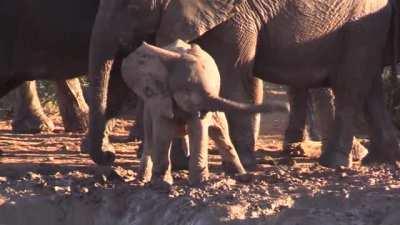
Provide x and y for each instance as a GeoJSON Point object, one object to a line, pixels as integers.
{"type": "Point", "coordinates": [297, 76]}
{"type": "Point", "coordinates": [305, 43]}
{"type": "Point", "coordinates": [305, 64]}
{"type": "Point", "coordinates": [47, 64]}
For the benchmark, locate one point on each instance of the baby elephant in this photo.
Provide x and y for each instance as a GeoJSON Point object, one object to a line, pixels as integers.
{"type": "Point", "coordinates": [180, 87]}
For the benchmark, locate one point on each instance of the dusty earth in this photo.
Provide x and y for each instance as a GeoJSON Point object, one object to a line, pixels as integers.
{"type": "Point", "coordinates": [44, 179]}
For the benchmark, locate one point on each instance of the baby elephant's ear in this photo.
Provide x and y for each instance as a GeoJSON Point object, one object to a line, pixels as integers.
{"type": "Point", "coordinates": [145, 74]}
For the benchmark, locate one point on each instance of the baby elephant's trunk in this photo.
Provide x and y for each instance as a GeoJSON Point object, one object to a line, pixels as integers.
{"type": "Point", "coordinates": [226, 105]}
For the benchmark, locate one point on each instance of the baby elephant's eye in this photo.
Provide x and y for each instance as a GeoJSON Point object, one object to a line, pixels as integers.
{"type": "Point", "coordinates": [148, 92]}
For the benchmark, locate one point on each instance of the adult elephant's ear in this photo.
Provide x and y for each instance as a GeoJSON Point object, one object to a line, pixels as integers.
{"type": "Point", "coordinates": [189, 19]}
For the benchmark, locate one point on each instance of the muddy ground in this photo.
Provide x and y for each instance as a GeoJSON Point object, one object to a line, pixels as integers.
{"type": "Point", "coordinates": [44, 179]}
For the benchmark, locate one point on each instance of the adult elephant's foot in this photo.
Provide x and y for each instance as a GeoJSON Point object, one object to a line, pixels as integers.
{"type": "Point", "coordinates": [105, 157]}
{"type": "Point", "coordinates": [32, 124]}
{"type": "Point", "coordinates": [198, 178]}
{"type": "Point", "coordinates": [335, 159]}
{"type": "Point", "coordinates": [79, 124]}
{"type": "Point", "coordinates": [136, 134]}
{"type": "Point", "coordinates": [386, 154]}
{"type": "Point", "coordinates": [229, 167]}
{"type": "Point", "coordinates": [248, 160]}
{"type": "Point", "coordinates": [294, 149]}
{"type": "Point", "coordinates": [246, 151]}
{"type": "Point", "coordinates": [180, 154]}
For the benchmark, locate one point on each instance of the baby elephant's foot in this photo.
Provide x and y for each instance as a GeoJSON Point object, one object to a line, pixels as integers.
{"type": "Point", "coordinates": [160, 185]}
{"type": "Point", "coordinates": [335, 159]}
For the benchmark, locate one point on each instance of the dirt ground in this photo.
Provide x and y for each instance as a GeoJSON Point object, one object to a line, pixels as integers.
{"type": "Point", "coordinates": [44, 179]}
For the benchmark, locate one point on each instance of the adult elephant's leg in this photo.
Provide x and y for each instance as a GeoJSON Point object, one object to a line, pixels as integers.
{"type": "Point", "coordinates": [73, 108]}
{"type": "Point", "coordinates": [244, 129]}
{"type": "Point", "coordinates": [29, 116]}
{"type": "Point", "coordinates": [336, 151]}
{"type": "Point", "coordinates": [384, 145]}
{"type": "Point", "coordinates": [117, 91]}
{"type": "Point", "coordinates": [295, 132]}
{"type": "Point", "coordinates": [323, 108]}
{"type": "Point", "coordinates": [107, 94]}
{"type": "Point", "coordinates": [358, 65]}
{"type": "Point", "coordinates": [236, 65]}
{"type": "Point", "coordinates": [137, 131]}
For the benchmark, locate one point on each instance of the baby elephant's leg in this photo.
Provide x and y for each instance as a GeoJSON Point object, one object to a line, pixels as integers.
{"type": "Point", "coordinates": [198, 145]}
{"type": "Point", "coordinates": [163, 131]}
{"type": "Point", "coordinates": [219, 132]}
{"type": "Point", "coordinates": [146, 164]}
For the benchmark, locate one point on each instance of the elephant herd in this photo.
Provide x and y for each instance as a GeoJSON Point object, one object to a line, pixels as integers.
{"type": "Point", "coordinates": [304, 44]}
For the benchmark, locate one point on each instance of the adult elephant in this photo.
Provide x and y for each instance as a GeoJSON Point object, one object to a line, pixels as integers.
{"type": "Point", "coordinates": [29, 116]}
{"type": "Point", "coordinates": [40, 41]}
{"type": "Point", "coordinates": [301, 43]}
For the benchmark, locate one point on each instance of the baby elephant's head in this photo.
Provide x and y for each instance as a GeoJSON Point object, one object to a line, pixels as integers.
{"type": "Point", "coordinates": [182, 73]}
{"type": "Point", "coordinates": [193, 78]}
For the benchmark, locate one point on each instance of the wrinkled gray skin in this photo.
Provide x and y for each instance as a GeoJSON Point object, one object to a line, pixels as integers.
{"type": "Point", "coordinates": [180, 87]}
{"type": "Point", "coordinates": [40, 41]}
{"type": "Point", "coordinates": [29, 116]}
{"type": "Point", "coordinates": [300, 43]}
{"type": "Point", "coordinates": [320, 111]}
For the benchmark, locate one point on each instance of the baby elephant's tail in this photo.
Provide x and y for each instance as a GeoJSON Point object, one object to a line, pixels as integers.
{"type": "Point", "coordinates": [226, 105]}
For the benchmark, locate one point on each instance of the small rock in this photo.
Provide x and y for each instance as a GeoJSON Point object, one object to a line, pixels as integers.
{"type": "Point", "coordinates": [50, 158]}
{"type": "Point", "coordinates": [394, 186]}
{"type": "Point", "coordinates": [84, 190]}
{"type": "Point", "coordinates": [3, 200]}
{"type": "Point", "coordinates": [34, 176]}
{"type": "Point", "coordinates": [62, 189]}
{"type": "Point", "coordinates": [121, 174]}
{"type": "Point", "coordinates": [64, 149]}
{"type": "Point", "coordinates": [57, 188]}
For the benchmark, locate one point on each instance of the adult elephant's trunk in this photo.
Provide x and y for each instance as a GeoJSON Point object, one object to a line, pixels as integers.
{"type": "Point", "coordinates": [226, 105]}
{"type": "Point", "coordinates": [103, 47]}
